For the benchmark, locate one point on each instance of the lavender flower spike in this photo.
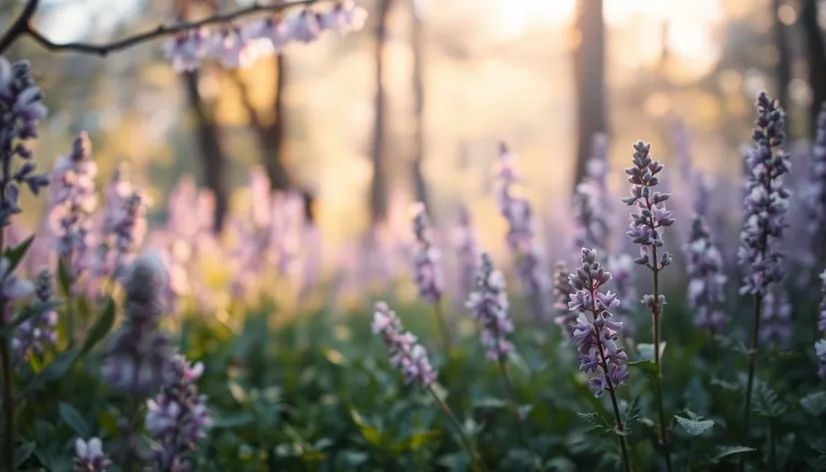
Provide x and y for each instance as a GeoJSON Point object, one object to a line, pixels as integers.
{"type": "Point", "coordinates": [563, 290]}
{"type": "Point", "coordinates": [405, 353]}
{"type": "Point", "coordinates": [35, 334]}
{"type": "Point", "coordinates": [489, 305]}
{"type": "Point", "coordinates": [704, 266]}
{"type": "Point", "coordinates": [178, 418]}
{"type": "Point", "coordinates": [426, 268]}
{"type": "Point", "coordinates": [815, 196]}
{"type": "Point", "coordinates": [621, 267]}
{"type": "Point", "coordinates": [139, 353]}
{"type": "Point", "coordinates": [596, 334]}
{"type": "Point", "coordinates": [89, 456]}
{"type": "Point", "coordinates": [765, 207]}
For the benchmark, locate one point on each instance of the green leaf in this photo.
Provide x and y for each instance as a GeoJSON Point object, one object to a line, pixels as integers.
{"type": "Point", "coordinates": [734, 345]}
{"type": "Point", "coordinates": [415, 441]}
{"type": "Point", "coordinates": [814, 403]}
{"type": "Point", "coordinates": [490, 403]}
{"type": "Point", "coordinates": [74, 419]}
{"type": "Point", "coordinates": [35, 309]}
{"type": "Point", "coordinates": [694, 427]}
{"type": "Point", "coordinates": [22, 453]}
{"type": "Point", "coordinates": [525, 410]}
{"type": "Point", "coordinates": [352, 458]}
{"type": "Point", "coordinates": [238, 393]}
{"type": "Point", "coordinates": [721, 452]}
{"type": "Point", "coordinates": [631, 411]}
{"type": "Point", "coordinates": [370, 433]}
{"type": "Point", "coordinates": [233, 420]}
{"type": "Point", "coordinates": [560, 464]}
{"type": "Point", "coordinates": [15, 254]}
{"type": "Point", "coordinates": [646, 351]}
{"type": "Point", "coordinates": [726, 385]}
{"type": "Point", "coordinates": [102, 326]}
{"type": "Point", "coordinates": [64, 278]}
{"type": "Point", "coordinates": [766, 402]}
{"type": "Point", "coordinates": [597, 424]}
{"type": "Point", "coordinates": [54, 371]}
{"type": "Point", "coordinates": [649, 368]}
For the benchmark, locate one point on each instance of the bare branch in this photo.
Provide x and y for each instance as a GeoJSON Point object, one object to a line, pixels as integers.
{"type": "Point", "coordinates": [22, 26]}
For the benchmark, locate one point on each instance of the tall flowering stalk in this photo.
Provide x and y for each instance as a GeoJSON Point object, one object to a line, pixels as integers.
{"type": "Point", "coordinates": [815, 196]}
{"type": "Point", "coordinates": [427, 270]}
{"type": "Point", "coordinates": [410, 357]}
{"type": "Point", "coordinates": [177, 417]}
{"type": "Point", "coordinates": [592, 200]}
{"type": "Point", "coordinates": [776, 319]}
{"type": "Point", "coordinates": [765, 207]}
{"type": "Point", "coordinates": [89, 456]}
{"type": "Point", "coordinates": [596, 334]}
{"type": "Point", "coordinates": [565, 318]}
{"type": "Point", "coordinates": [21, 109]}
{"type": "Point", "coordinates": [521, 236]}
{"type": "Point", "coordinates": [467, 250]}
{"type": "Point", "coordinates": [704, 267]}
{"type": "Point", "coordinates": [622, 270]}
{"type": "Point", "coordinates": [646, 229]}
{"type": "Point", "coordinates": [820, 345]}
{"type": "Point", "coordinates": [73, 200]}
{"type": "Point", "coordinates": [34, 335]}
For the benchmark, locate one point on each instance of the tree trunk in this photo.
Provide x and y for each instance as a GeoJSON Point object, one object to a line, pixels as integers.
{"type": "Point", "coordinates": [379, 184]}
{"type": "Point", "coordinates": [589, 80]}
{"type": "Point", "coordinates": [419, 183]}
{"type": "Point", "coordinates": [213, 160]}
{"type": "Point", "coordinates": [784, 67]}
{"type": "Point", "coordinates": [816, 54]}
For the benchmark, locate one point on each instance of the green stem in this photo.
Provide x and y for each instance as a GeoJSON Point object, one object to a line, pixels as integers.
{"type": "Point", "coordinates": [443, 326]}
{"type": "Point", "coordinates": [691, 454]}
{"type": "Point", "coordinates": [520, 425]}
{"type": "Point", "coordinates": [626, 461]}
{"type": "Point", "coordinates": [656, 312]}
{"type": "Point", "coordinates": [755, 331]}
{"type": "Point", "coordinates": [8, 378]}
{"type": "Point", "coordinates": [772, 453]}
{"type": "Point", "coordinates": [471, 449]}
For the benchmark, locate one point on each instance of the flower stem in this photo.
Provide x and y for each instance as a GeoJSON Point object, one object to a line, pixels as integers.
{"type": "Point", "coordinates": [471, 449]}
{"type": "Point", "coordinates": [755, 331]}
{"type": "Point", "coordinates": [626, 462]}
{"type": "Point", "coordinates": [772, 453]}
{"type": "Point", "coordinates": [520, 425]}
{"type": "Point", "coordinates": [8, 379]}
{"type": "Point", "coordinates": [656, 311]}
{"type": "Point", "coordinates": [443, 326]}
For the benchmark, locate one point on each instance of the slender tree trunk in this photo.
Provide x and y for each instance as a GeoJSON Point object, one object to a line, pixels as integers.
{"type": "Point", "coordinates": [784, 66]}
{"type": "Point", "coordinates": [816, 54]}
{"type": "Point", "coordinates": [419, 182]}
{"type": "Point", "coordinates": [213, 159]}
{"type": "Point", "coordinates": [589, 80]}
{"type": "Point", "coordinates": [379, 184]}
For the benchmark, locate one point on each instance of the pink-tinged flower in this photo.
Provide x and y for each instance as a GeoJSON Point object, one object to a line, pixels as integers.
{"type": "Point", "coordinates": [345, 17]}
{"type": "Point", "coordinates": [276, 30]}
{"type": "Point", "coordinates": [234, 49]}
{"type": "Point", "coordinates": [465, 243]}
{"type": "Point", "coordinates": [304, 26]}
{"type": "Point", "coordinates": [489, 305]}
{"type": "Point", "coordinates": [89, 456]}
{"type": "Point", "coordinates": [405, 353]}
{"type": "Point", "coordinates": [427, 269]}
{"type": "Point", "coordinates": [187, 49]}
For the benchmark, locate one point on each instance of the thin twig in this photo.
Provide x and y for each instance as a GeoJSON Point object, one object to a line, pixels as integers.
{"type": "Point", "coordinates": [22, 26]}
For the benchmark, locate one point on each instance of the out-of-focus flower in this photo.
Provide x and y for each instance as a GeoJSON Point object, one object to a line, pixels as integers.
{"type": "Point", "coordinates": [595, 332]}
{"type": "Point", "coordinates": [187, 49]}
{"type": "Point", "coordinates": [305, 26]}
{"type": "Point", "coordinates": [233, 48]}
{"type": "Point", "coordinates": [89, 456]}
{"type": "Point", "coordinates": [704, 266]}
{"type": "Point", "coordinates": [35, 334]}
{"type": "Point", "coordinates": [11, 286]}
{"type": "Point", "coordinates": [465, 240]}
{"type": "Point", "coordinates": [776, 318]}
{"type": "Point", "coordinates": [815, 191]}
{"type": "Point", "coordinates": [622, 271]}
{"type": "Point", "coordinates": [427, 270]}
{"type": "Point", "coordinates": [489, 304]}
{"type": "Point", "coordinates": [139, 353]}
{"type": "Point", "coordinates": [565, 318]}
{"type": "Point", "coordinates": [405, 353]}
{"type": "Point", "coordinates": [345, 17]}
{"type": "Point", "coordinates": [178, 418]}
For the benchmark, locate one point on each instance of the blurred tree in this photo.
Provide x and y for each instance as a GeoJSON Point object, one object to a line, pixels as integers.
{"type": "Point", "coordinates": [589, 79]}
{"type": "Point", "coordinates": [419, 182]}
{"type": "Point", "coordinates": [213, 160]}
{"type": "Point", "coordinates": [816, 54]}
{"type": "Point", "coordinates": [271, 133]}
{"type": "Point", "coordinates": [379, 182]}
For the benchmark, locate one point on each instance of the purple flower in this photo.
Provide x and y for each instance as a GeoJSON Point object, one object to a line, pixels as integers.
{"type": "Point", "coordinates": [489, 304]}
{"type": "Point", "coordinates": [35, 334]}
{"type": "Point", "coordinates": [766, 202]}
{"type": "Point", "coordinates": [345, 17]}
{"type": "Point", "coordinates": [187, 49]}
{"type": "Point", "coordinates": [405, 353]}
{"type": "Point", "coordinates": [233, 48]}
{"type": "Point", "coordinates": [12, 287]}
{"type": "Point", "coordinates": [595, 333]}
{"type": "Point", "coordinates": [427, 270]}
{"type": "Point", "coordinates": [177, 418]}
{"type": "Point", "coordinates": [305, 26]}
{"type": "Point", "coordinates": [815, 191]}
{"type": "Point", "coordinates": [139, 353]}
{"type": "Point", "coordinates": [563, 290]}
{"type": "Point", "coordinates": [73, 198]}
{"type": "Point", "coordinates": [467, 250]}
{"type": "Point", "coordinates": [704, 267]}
{"type": "Point", "coordinates": [592, 199]}
{"type": "Point", "coordinates": [21, 109]}
{"type": "Point", "coordinates": [276, 30]}
{"type": "Point", "coordinates": [89, 456]}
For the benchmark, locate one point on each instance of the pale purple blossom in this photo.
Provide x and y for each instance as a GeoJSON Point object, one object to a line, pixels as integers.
{"type": "Point", "coordinates": [187, 49]}
{"type": "Point", "coordinates": [427, 269]}
{"type": "Point", "coordinates": [39, 332]}
{"type": "Point", "coordinates": [706, 280]}
{"type": "Point", "coordinates": [766, 202]}
{"type": "Point", "coordinates": [592, 204]}
{"type": "Point", "coordinates": [345, 17]}
{"type": "Point", "coordinates": [139, 353]}
{"type": "Point", "coordinates": [21, 109]}
{"type": "Point", "coordinates": [489, 305]}
{"type": "Point", "coordinates": [622, 271]}
{"type": "Point", "coordinates": [305, 26]}
{"type": "Point", "coordinates": [89, 456]}
{"type": "Point", "coordinates": [12, 287]}
{"type": "Point", "coordinates": [820, 350]}
{"type": "Point", "coordinates": [595, 333]}
{"type": "Point", "coordinates": [178, 418]}
{"type": "Point", "coordinates": [563, 290]}
{"type": "Point", "coordinates": [815, 190]}
{"type": "Point", "coordinates": [233, 48]}
{"type": "Point", "coordinates": [406, 354]}
{"type": "Point", "coordinates": [466, 247]}
{"type": "Point", "coordinates": [820, 346]}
